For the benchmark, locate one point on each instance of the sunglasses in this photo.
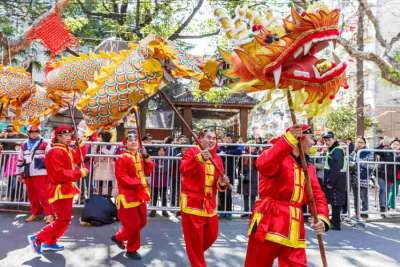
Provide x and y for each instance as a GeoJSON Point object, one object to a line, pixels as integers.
{"type": "Point", "coordinates": [33, 131]}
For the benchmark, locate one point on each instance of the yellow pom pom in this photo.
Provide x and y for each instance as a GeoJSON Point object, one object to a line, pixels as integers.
{"type": "Point", "coordinates": [219, 12]}
{"type": "Point", "coordinates": [258, 21]}
{"type": "Point", "coordinates": [225, 23]}
{"type": "Point", "coordinates": [249, 14]}
{"type": "Point", "coordinates": [268, 14]}
{"type": "Point", "coordinates": [230, 34]}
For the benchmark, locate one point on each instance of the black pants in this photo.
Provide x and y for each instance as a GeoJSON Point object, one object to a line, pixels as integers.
{"type": "Point", "coordinates": [162, 192]}
{"type": "Point", "coordinates": [363, 197]}
{"type": "Point", "coordinates": [175, 191]}
{"type": "Point", "coordinates": [336, 216]}
{"type": "Point", "coordinates": [249, 200]}
{"type": "Point", "coordinates": [225, 200]}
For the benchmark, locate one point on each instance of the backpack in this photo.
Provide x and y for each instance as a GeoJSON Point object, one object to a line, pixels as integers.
{"type": "Point", "coordinates": [99, 210]}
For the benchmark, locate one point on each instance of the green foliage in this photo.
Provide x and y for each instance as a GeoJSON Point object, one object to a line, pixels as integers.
{"type": "Point", "coordinates": [214, 95]}
{"type": "Point", "coordinates": [343, 122]}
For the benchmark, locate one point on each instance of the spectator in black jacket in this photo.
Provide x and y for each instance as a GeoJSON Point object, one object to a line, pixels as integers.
{"type": "Point", "coordinates": [386, 172]}
{"type": "Point", "coordinates": [229, 156]}
{"type": "Point", "coordinates": [335, 177]}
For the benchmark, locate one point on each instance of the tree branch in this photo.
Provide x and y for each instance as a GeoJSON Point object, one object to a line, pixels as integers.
{"type": "Point", "coordinates": [394, 40]}
{"type": "Point", "coordinates": [105, 6]}
{"type": "Point", "coordinates": [186, 22]}
{"type": "Point", "coordinates": [205, 35]}
{"type": "Point", "coordinates": [386, 69]}
{"type": "Point", "coordinates": [374, 21]}
{"type": "Point", "coordinates": [89, 13]}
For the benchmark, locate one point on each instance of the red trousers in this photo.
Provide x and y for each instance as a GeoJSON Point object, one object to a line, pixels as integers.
{"type": "Point", "coordinates": [62, 209]}
{"type": "Point", "coordinates": [132, 221]}
{"type": "Point", "coordinates": [263, 253]}
{"type": "Point", "coordinates": [38, 195]}
{"type": "Point", "coordinates": [199, 234]}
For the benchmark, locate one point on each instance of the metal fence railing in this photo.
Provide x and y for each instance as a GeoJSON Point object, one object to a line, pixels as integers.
{"type": "Point", "coordinates": [239, 164]}
{"type": "Point", "coordinates": [375, 182]}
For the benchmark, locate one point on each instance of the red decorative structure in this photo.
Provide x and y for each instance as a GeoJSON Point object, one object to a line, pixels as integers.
{"type": "Point", "coordinates": [53, 33]}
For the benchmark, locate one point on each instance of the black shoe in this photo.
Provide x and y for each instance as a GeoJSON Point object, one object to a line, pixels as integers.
{"type": "Point", "coordinates": [165, 213]}
{"type": "Point", "coordinates": [364, 216]}
{"type": "Point", "coordinates": [119, 243]}
{"type": "Point", "coordinates": [152, 213]}
{"type": "Point", "coordinates": [383, 209]}
{"type": "Point", "coordinates": [133, 255]}
{"type": "Point", "coordinates": [336, 228]}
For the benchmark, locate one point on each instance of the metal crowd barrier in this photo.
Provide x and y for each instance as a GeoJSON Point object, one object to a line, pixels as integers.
{"type": "Point", "coordinates": [165, 181]}
{"type": "Point", "coordinates": [376, 179]}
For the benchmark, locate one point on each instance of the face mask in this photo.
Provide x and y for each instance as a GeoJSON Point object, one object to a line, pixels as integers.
{"type": "Point", "coordinates": [312, 151]}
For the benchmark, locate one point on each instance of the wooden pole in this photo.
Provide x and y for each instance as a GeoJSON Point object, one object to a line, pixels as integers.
{"type": "Point", "coordinates": [309, 192]}
{"type": "Point", "coordinates": [139, 134]}
{"type": "Point", "coordinates": [188, 128]}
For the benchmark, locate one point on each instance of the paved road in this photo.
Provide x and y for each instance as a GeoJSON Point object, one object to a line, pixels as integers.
{"type": "Point", "coordinates": [376, 245]}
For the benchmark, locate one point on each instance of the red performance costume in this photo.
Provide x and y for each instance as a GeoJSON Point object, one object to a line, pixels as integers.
{"type": "Point", "coordinates": [277, 225]}
{"type": "Point", "coordinates": [198, 203]}
{"type": "Point", "coordinates": [133, 193]}
{"type": "Point", "coordinates": [63, 169]}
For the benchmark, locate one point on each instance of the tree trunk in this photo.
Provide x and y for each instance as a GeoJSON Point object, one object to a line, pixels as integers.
{"type": "Point", "coordinates": [360, 74]}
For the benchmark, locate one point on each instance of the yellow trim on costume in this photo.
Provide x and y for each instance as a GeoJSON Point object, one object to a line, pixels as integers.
{"type": "Point", "coordinates": [209, 179]}
{"type": "Point", "coordinates": [58, 195]}
{"type": "Point", "coordinates": [325, 220]}
{"type": "Point", "coordinates": [194, 211]}
{"type": "Point", "coordinates": [276, 238]}
{"type": "Point", "coordinates": [298, 189]}
{"type": "Point", "coordinates": [200, 158]}
{"type": "Point", "coordinates": [256, 219]}
{"type": "Point", "coordinates": [294, 232]}
{"type": "Point", "coordinates": [125, 204]}
{"type": "Point", "coordinates": [291, 139]}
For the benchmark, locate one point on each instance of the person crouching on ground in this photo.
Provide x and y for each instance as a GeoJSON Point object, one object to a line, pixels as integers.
{"type": "Point", "coordinates": [63, 169]}
{"type": "Point", "coordinates": [131, 169]}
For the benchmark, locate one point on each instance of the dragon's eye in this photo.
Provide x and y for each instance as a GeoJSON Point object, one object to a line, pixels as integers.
{"type": "Point", "coordinates": [269, 39]}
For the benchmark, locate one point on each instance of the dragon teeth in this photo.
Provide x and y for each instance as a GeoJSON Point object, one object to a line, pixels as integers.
{"type": "Point", "coordinates": [277, 76]}
{"type": "Point", "coordinates": [307, 47]}
{"type": "Point", "coordinates": [298, 52]}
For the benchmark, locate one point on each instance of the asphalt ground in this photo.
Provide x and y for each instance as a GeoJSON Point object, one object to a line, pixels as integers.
{"type": "Point", "coordinates": [378, 244]}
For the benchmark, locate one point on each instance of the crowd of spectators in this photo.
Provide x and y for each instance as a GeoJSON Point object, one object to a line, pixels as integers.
{"type": "Point", "coordinates": [239, 157]}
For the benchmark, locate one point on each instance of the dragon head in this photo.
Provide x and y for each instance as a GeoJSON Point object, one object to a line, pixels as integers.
{"type": "Point", "coordinates": [265, 56]}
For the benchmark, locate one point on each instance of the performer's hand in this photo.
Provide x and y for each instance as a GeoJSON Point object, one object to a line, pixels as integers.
{"type": "Point", "coordinates": [319, 227]}
{"type": "Point", "coordinates": [206, 154]}
{"type": "Point", "coordinates": [296, 131]}
{"type": "Point", "coordinates": [84, 172]}
{"type": "Point", "coordinates": [224, 180]}
{"type": "Point", "coordinates": [144, 152]}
